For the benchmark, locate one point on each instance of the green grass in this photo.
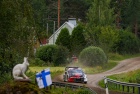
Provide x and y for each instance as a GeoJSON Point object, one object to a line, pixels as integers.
{"type": "Point", "coordinates": [54, 71]}
{"type": "Point", "coordinates": [113, 61]}
{"type": "Point", "coordinates": [130, 77]}
{"type": "Point", "coordinates": [118, 57]}
{"type": "Point", "coordinates": [69, 91]}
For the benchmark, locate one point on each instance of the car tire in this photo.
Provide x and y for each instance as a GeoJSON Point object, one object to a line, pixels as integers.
{"type": "Point", "coordinates": [64, 79]}
{"type": "Point", "coordinates": [85, 82]}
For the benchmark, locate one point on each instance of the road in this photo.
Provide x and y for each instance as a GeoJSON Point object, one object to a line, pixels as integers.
{"type": "Point", "coordinates": [124, 66]}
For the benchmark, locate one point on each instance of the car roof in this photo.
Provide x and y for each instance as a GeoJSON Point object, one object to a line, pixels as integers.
{"type": "Point", "coordinates": [72, 68]}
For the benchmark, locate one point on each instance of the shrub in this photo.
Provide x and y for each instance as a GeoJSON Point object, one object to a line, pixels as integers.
{"type": "Point", "coordinates": [37, 62]}
{"type": "Point", "coordinates": [46, 53]}
{"type": "Point", "coordinates": [53, 54]}
{"type": "Point", "coordinates": [92, 56]}
{"type": "Point", "coordinates": [60, 56]}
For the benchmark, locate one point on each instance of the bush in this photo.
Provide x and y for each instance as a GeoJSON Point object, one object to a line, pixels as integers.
{"type": "Point", "coordinates": [37, 62]}
{"type": "Point", "coordinates": [92, 56]}
{"type": "Point", "coordinates": [61, 56]}
{"type": "Point", "coordinates": [46, 53]}
{"type": "Point", "coordinates": [53, 54]}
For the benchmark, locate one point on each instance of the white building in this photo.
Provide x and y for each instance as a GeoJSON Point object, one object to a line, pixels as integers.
{"type": "Point", "coordinates": [69, 25]}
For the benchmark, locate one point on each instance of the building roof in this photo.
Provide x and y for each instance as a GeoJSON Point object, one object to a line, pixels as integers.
{"type": "Point", "coordinates": [68, 23]}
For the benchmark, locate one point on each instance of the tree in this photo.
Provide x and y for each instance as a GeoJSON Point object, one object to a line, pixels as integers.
{"type": "Point", "coordinates": [128, 43]}
{"type": "Point", "coordinates": [72, 8]}
{"type": "Point", "coordinates": [63, 38]}
{"type": "Point", "coordinates": [68, 9]}
{"type": "Point", "coordinates": [99, 15]}
{"type": "Point", "coordinates": [16, 22]}
{"type": "Point", "coordinates": [78, 42]}
{"type": "Point", "coordinates": [108, 38]}
{"type": "Point", "coordinates": [131, 14]}
{"type": "Point", "coordinates": [40, 17]}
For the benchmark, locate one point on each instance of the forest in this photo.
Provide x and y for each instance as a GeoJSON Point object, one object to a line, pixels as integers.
{"type": "Point", "coordinates": [113, 25]}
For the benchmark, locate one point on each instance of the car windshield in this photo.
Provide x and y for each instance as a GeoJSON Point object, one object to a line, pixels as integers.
{"type": "Point", "coordinates": [76, 71]}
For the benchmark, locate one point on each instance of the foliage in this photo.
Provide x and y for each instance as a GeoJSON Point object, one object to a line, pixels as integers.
{"type": "Point", "coordinates": [5, 77]}
{"type": "Point", "coordinates": [128, 43]}
{"type": "Point", "coordinates": [108, 38]}
{"type": "Point", "coordinates": [100, 13]}
{"type": "Point", "coordinates": [72, 8]}
{"type": "Point", "coordinates": [113, 40]}
{"type": "Point", "coordinates": [77, 40]}
{"type": "Point", "coordinates": [30, 88]}
{"type": "Point", "coordinates": [60, 57]}
{"type": "Point", "coordinates": [63, 38]}
{"type": "Point", "coordinates": [16, 22]}
{"type": "Point", "coordinates": [115, 56]}
{"type": "Point", "coordinates": [53, 54]}
{"type": "Point", "coordinates": [46, 53]}
{"type": "Point", "coordinates": [131, 15]}
{"type": "Point", "coordinates": [20, 87]}
{"type": "Point", "coordinates": [46, 11]}
{"type": "Point", "coordinates": [37, 62]}
{"type": "Point", "coordinates": [39, 11]}
{"type": "Point", "coordinates": [129, 77]}
{"type": "Point", "coordinates": [92, 56]}
{"type": "Point", "coordinates": [99, 16]}
{"type": "Point", "coordinates": [55, 71]}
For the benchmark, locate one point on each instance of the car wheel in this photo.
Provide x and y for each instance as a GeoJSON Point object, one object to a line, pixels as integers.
{"type": "Point", "coordinates": [64, 78]}
{"type": "Point", "coordinates": [85, 82]}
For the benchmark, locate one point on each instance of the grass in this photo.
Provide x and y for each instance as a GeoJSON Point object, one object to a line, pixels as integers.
{"type": "Point", "coordinates": [130, 77]}
{"type": "Point", "coordinates": [118, 57]}
{"type": "Point", "coordinates": [69, 91]}
{"type": "Point", "coordinates": [54, 71]}
{"type": "Point", "coordinates": [113, 61]}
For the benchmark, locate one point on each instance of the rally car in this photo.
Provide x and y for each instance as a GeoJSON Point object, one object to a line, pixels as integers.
{"type": "Point", "coordinates": [74, 74]}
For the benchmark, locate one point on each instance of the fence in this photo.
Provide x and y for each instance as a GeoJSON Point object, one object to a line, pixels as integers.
{"type": "Point", "coordinates": [132, 88]}
{"type": "Point", "coordinates": [65, 85]}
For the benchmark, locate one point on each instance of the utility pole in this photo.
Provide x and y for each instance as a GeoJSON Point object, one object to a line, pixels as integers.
{"type": "Point", "coordinates": [47, 29]}
{"type": "Point", "coordinates": [53, 33]}
{"type": "Point", "coordinates": [58, 13]}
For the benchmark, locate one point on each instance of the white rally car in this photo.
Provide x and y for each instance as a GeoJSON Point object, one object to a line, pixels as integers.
{"type": "Point", "coordinates": [74, 74]}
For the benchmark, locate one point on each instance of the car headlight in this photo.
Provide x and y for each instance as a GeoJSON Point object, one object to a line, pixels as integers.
{"type": "Point", "coordinates": [85, 76]}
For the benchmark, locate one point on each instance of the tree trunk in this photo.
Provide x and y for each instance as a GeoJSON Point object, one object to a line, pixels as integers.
{"type": "Point", "coordinates": [136, 27]}
{"type": "Point", "coordinates": [118, 20]}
